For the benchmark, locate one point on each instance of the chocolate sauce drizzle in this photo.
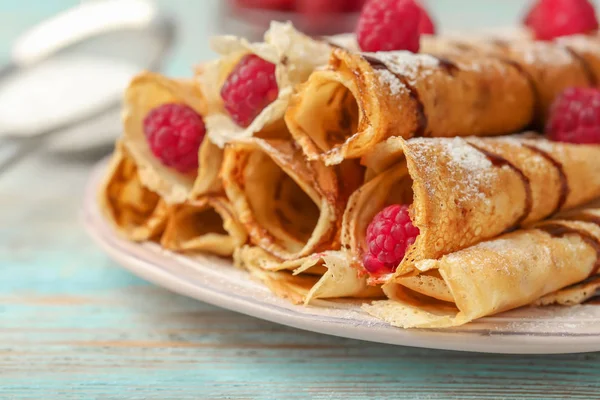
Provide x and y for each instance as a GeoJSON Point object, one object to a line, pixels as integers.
{"type": "Point", "coordinates": [422, 121]}
{"type": "Point", "coordinates": [503, 44]}
{"type": "Point", "coordinates": [523, 72]}
{"type": "Point", "coordinates": [499, 161]}
{"type": "Point", "coordinates": [585, 217]}
{"type": "Point", "coordinates": [564, 183]}
{"type": "Point", "coordinates": [585, 65]}
{"type": "Point", "coordinates": [558, 230]}
{"type": "Point", "coordinates": [447, 65]}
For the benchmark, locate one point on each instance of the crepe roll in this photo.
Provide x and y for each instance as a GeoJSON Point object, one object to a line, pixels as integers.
{"type": "Point", "coordinates": [293, 55]}
{"type": "Point", "coordinates": [582, 291]}
{"type": "Point", "coordinates": [359, 100]}
{"type": "Point", "coordinates": [207, 225]}
{"type": "Point", "coordinates": [465, 190]}
{"type": "Point", "coordinates": [145, 93]}
{"type": "Point", "coordinates": [551, 67]}
{"type": "Point", "coordinates": [587, 47]}
{"type": "Point", "coordinates": [290, 207]}
{"type": "Point", "coordinates": [507, 272]}
{"type": "Point", "coordinates": [134, 211]}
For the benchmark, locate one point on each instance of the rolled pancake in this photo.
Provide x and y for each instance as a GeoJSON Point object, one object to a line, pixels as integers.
{"type": "Point", "coordinates": [206, 225]}
{"type": "Point", "coordinates": [510, 271]}
{"type": "Point", "coordinates": [324, 275]}
{"type": "Point", "coordinates": [587, 47]}
{"type": "Point", "coordinates": [295, 56]}
{"type": "Point", "coordinates": [573, 295]}
{"type": "Point", "coordinates": [359, 100]}
{"type": "Point", "coordinates": [583, 291]}
{"type": "Point", "coordinates": [134, 211]}
{"type": "Point", "coordinates": [290, 207]}
{"type": "Point", "coordinates": [551, 67]}
{"type": "Point", "coordinates": [465, 190]}
{"type": "Point", "coordinates": [145, 92]}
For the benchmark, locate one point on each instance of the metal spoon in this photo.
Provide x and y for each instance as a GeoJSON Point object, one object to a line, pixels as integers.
{"type": "Point", "coordinates": [109, 31]}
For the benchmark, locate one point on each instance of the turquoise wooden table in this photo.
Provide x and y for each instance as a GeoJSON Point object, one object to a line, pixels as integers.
{"type": "Point", "coordinates": [73, 325]}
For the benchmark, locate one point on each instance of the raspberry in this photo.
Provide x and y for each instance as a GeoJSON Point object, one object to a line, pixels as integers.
{"type": "Point", "coordinates": [249, 88]}
{"type": "Point", "coordinates": [386, 25]}
{"type": "Point", "coordinates": [355, 5]}
{"type": "Point", "coordinates": [389, 235]}
{"type": "Point", "coordinates": [174, 133]}
{"type": "Point", "coordinates": [320, 7]}
{"type": "Point", "coordinates": [575, 117]}
{"type": "Point", "coordinates": [426, 27]}
{"type": "Point", "coordinates": [549, 19]}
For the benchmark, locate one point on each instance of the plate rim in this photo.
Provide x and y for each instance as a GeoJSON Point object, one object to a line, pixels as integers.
{"type": "Point", "coordinates": [135, 258]}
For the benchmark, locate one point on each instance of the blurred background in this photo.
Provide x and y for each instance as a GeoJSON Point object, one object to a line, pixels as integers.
{"type": "Point", "coordinates": [75, 100]}
{"type": "Point", "coordinates": [197, 19]}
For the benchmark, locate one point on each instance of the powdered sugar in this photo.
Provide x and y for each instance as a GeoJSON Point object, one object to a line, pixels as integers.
{"type": "Point", "coordinates": [407, 65]}
{"type": "Point", "coordinates": [544, 53]}
{"type": "Point", "coordinates": [582, 43]}
{"type": "Point", "coordinates": [466, 156]}
{"type": "Point", "coordinates": [469, 169]}
{"type": "Point", "coordinates": [386, 78]}
{"type": "Point", "coordinates": [469, 164]}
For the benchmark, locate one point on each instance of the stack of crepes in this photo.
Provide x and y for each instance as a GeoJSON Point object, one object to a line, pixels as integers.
{"type": "Point", "coordinates": [502, 220]}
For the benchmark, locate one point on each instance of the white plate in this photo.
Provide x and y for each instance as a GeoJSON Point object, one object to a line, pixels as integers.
{"type": "Point", "coordinates": [216, 281]}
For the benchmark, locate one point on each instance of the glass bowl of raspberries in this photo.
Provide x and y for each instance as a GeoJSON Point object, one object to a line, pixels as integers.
{"type": "Point", "coordinates": [251, 18]}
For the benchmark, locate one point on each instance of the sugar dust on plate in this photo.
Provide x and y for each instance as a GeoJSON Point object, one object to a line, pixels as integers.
{"type": "Point", "coordinates": [60, 90]}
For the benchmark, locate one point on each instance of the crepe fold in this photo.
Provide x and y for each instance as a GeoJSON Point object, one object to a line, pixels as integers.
{"type": "Point", "coordinates": [145, 92]}
{"type": "Point", "coordinates": [359, 100]}
{"type": "Point", "coordinates": [207, 225]}
{"type": "Point", "coordinates": [582, 291]}
{"type": "Point", "coordinates": [295, 56]}
{"type": "Point", "coordinates": [324, 275]}
{"type": "Point", "coordinates": [465, 190]}
{"type": "Point", "coordinates": [510, 271]}
{"type": "Point", "coordinates": [290, 207]}
{"type": "Point", "coordinates": [134, 211]}
{"type": "Point", "coordinates": [551, 67]}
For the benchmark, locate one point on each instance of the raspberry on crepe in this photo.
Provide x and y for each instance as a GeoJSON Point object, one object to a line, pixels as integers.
{"type": "Point", "coordinates": [575, 117]}
{"type": "Point", "coordinates": [249, 88]}
{"type": "Point", "coordinates": [386, 25]}
{"type": "Point", "coordinates": [549, 19]}
{"type": "Point", "coordinates": [174, 133]}
{"type": "Point", "coordinates": [389, 234]}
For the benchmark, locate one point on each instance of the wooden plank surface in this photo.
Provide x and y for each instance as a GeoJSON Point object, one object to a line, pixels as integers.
{"type": "Point", "coordinates": [73, 325]}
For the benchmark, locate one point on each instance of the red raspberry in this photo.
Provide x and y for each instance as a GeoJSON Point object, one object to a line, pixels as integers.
{"type": "Point", "coordinates": [386, 25]}
{"type": "Point", "coordinates": [249, 88]}
{"type": "Point", "coordinates": [174, 133]}
{"type": "Point", "coordinates": [575, 117]}
{"type": "Point", "coordinates": [549, 19]}
{"type": "Point", "coordinates": [320, 7]}
{"type": "Point", "coordinates": [355, 5]}
{"type": "Point", "coordinates": [427, 27]}
{"type": "Point", "coordinates": [389, 235]}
